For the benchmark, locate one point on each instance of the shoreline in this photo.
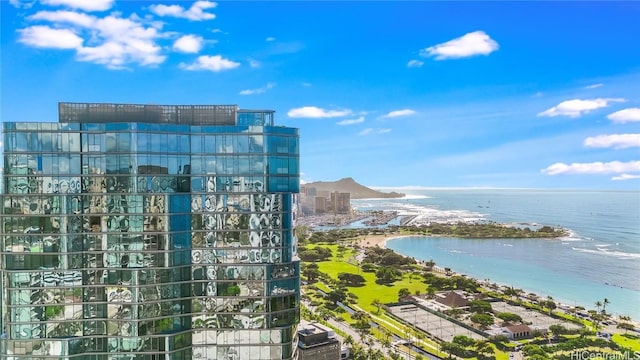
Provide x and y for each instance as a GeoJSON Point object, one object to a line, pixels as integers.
{"type": "Point", "coordinates": [380, 241]}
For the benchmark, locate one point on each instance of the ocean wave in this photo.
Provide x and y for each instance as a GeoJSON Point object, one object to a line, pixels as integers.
{"type": "Point", "coordinates": [618, 254]}
{"type": "Point", "coordinates": [572, 238]}
{"type": "Point", "coordinates": [415, 196]}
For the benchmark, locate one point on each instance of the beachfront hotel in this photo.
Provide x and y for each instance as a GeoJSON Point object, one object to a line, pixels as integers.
{"type": "Point", "coordinates": [149, 232]}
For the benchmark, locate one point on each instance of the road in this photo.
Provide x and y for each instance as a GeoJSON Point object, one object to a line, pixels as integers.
{"type": "Point", "coordinates": [368, 340]}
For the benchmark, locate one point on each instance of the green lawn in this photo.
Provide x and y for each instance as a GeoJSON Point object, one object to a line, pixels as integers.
{"type": "Point", "coordinates": [370, 291]}
{"type": "Point", "coordinates": [633, 344]}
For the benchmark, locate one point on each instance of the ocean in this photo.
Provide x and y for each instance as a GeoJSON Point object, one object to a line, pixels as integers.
{"type": "Point", "coordinates": [600, 259]}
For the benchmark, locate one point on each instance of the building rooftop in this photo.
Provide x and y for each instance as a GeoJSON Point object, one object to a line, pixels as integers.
{"type": "Point", "coordinates": [69, 112]}
{"type": "Point", "coordinates": [517, 328]}
{"type": "Point", "coordinates": [314, 334]}
{"type": "Point", "coordinates": [452, 299]}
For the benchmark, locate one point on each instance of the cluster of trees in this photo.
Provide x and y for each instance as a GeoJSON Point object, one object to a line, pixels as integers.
{"type": "Point", "coordinates": [387, 275]}
{"type": "Point", "coordinates": [535, 351]}
{"type": "Point", "coordinates": [482, 313]}
{"type": "Point", "coordinates": [485, 230]}
{"type": "Point", "coordinates": [386, 257]}
{"type": "Point", "coordinates": [456, 282]}
{"type": "Point", "coordinates": [362, 351]}
{"type": "Point", "coordinates": [349, 279]}
{"type": "Point", "coordinates": [508, 317]}
{"type": "Point", "coordinates": [311, 271]}
{"type": "Point", "coordinates": [331, 236]}
{"type": "Point", "coordinates": [464, 346]}
{"type": "Point", "coordinates": [315, 254]}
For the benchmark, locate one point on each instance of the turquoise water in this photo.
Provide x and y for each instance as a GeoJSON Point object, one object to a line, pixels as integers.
{"type": "Point", "coordinates": [601, 258]}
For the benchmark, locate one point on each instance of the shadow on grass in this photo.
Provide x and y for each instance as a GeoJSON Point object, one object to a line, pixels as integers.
{"type": "Point", "coordinates": [355, 285]}
{"type": "Point", "coordinates": [385, 283]}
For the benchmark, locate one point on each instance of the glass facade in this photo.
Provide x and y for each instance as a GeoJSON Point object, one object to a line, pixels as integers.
{"type": "Point", "coordinates": [128, 237]}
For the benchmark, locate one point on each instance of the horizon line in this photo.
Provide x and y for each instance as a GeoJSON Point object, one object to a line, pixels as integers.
{"type": "Point", "coordinates": [419, 187]}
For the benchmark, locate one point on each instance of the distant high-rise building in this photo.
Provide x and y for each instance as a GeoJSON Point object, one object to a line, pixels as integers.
{"type": "Point", "coordinates": [340, 202]}
{"type": "Point", "coordinates": [149, 232]}
{"type": "Point", "coordinates": [320, 205]}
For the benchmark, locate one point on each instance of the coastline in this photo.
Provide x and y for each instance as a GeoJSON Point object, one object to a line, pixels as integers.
{"type": "Point", "coordinates": [596, 260]}
{"type": "Point", "coordinates": [381, 242]}
{"type": "Point", "coordinates": [377, 240]}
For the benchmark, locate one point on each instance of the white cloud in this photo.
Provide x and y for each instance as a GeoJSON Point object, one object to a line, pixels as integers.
{"type": "Point", "coordinates": [616, 141]}
{"type": "Point", "coordinates": [124, 41]}
{"type": "Point", "coordinates": [214, 63]}
{"type": "Point", "coordinates": [316, 112]}
{"type": "Point", "coordinates": [46, 37]}
{"type": "Point", "coordinates": [188, 44]}
{"type": "Point", "coordinates": [195, 13]}
{"type": "Point", "coordinates": [398, 113]}
{"type": "Point", "coordinates": [65, 16]}
{"type": "Point", "coordinates": [26, 4]}
{"type": "Point", "coordinates": [471, 44]}
{"type": "Point", "coordinates": [351, 121]}
{"type": "Point", "coordinates": [597, 168]}
{"type": "Point", "coordinates": [594, 86]}
{"type": "Point", "coordinates": [260, 90]}
{"type": "Point", "coordinates": [112, 41]}
{"type": "Point", "coordinates": [414, 63]}
{"type": "Point", "coordinates": [625, 116]}
{"type": "Point", "coordinates": [371, 131]}
{"type": "Point", "coordinates": [306, 84]}
{"type": "Point", "coordinates": [270, 38]}
{"type": "Point", "coordinates": [623, 177]}
{"type": "Point", "coordinates": [86, 5]}
{"type": "Point", "coordinates": [576, 107]}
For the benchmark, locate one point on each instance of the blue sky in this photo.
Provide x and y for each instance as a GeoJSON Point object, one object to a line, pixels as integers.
{"type": "Point", "coordinates": [425, 94]}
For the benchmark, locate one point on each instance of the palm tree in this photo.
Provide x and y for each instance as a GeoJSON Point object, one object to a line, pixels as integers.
{"type": "Point", "coordinates": [605, 302]}
{"type": "Point", "coordinates": [598, 305]}
{"type": "Point", "coordinates": [597, 316]}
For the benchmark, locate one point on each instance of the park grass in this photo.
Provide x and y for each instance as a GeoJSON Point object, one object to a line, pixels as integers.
{"type": "Point", "coordinates": [627, 342]}
{"type": "Point", "coordinates": [371, 290]}
{"type": "Point", "coordinates": [322, 286]}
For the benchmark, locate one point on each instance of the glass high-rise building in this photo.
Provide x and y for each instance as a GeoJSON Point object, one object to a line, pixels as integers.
{"type": "Point", "coordinates": [149, 232]}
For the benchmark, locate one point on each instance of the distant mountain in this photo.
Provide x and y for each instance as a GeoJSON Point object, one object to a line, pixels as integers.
{"type": "Point", "coordinates": [351, 186]}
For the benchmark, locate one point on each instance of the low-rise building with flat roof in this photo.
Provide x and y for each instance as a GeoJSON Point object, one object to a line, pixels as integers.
{"type": "Point", "coordinates": [316, 342]}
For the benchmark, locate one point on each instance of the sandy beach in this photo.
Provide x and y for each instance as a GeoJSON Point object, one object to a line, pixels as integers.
{"type": "Point", "coordinates": [376, 240]}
